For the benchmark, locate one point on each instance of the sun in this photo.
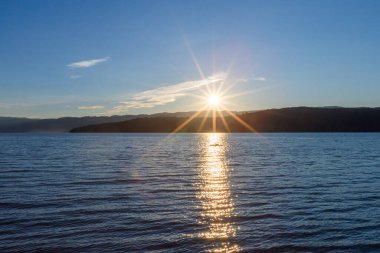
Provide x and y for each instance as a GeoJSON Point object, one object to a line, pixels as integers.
{"type": "Point", "coordinates": [214, 111]}
{"type": "Point", "coordinates": [213, 100]}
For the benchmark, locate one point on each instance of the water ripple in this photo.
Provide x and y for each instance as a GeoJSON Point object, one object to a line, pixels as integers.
{"type": "Point", "coordinates": [190, 193]}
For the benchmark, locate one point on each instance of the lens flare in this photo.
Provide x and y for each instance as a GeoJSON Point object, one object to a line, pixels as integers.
{"type": "Point", "coordinates": [213, 100]}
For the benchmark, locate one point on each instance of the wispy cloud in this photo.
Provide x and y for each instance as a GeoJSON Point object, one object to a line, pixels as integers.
{"type": "Point", "coordinates": [166, 94]}
{"type": "Point", "coordinates": [91, 107]}
{"type": "Point", "coordinates": [253, 78]}
{"type": "Point", "coordinates": [258, 78]}
{"type": "Point", "coordinates": [87, 63]}
{"type": "Point", "coordinates": [75, 76]}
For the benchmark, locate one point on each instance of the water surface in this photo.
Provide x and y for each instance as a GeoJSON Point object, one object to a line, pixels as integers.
{"type": "Point", "coordinates": [190, 192]}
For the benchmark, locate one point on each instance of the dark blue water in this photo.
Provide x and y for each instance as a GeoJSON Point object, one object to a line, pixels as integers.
{"type": "Point", "coordinates": [190, 193]}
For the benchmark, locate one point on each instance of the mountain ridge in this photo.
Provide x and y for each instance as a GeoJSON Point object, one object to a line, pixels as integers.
{"type": "Point", "coordinates": [292, 119]}
{"type": "Point", "coordinates": [65, 124]}
{"type": "Point", "coordinates": [75, 124]}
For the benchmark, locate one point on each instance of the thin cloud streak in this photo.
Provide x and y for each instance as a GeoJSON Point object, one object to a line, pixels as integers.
{"type": "Point", "coordinates": [258, 78]}
{"type": "Point", "coordinates": [87, 63]}
{"type": "Point", "coordinates": [91, 107]}
{"type": "Point", "coordinates": [166, 94]}
{"type": "Point", "coordinates": [253, 78]}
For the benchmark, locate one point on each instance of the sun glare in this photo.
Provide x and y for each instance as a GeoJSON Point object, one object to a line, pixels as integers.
{"type": "Point", "coordinates": [214, 107]}
{"type": "Point", "coordinates": [213, 100]}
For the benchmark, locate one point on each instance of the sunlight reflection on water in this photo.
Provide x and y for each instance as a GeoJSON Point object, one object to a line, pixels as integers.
{"type": "Point", "coordinates": [309, 192]}
{"type": "Point", "coordinates": [215, 195]}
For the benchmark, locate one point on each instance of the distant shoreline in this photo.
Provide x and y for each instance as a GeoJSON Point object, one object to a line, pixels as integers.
{"type": "Point", "coordinates": [286, 120]}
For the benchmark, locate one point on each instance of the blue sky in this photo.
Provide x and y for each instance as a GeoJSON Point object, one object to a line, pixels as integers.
{"type": "Point", "coordinates": [76, 58]}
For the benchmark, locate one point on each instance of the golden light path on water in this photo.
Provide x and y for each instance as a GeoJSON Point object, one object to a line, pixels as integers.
{"type": "Point", "coordinates": [214, 194]}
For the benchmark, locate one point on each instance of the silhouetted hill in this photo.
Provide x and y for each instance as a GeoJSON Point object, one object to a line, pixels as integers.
{"type": "Point", "coordinates": [297, 119]}
{"type": "Point", "coordinates": [54, 125]}
{"type": "Point", "coordinates": [9, 121]}
{"type": "Point", "coordinates": [65, 124]}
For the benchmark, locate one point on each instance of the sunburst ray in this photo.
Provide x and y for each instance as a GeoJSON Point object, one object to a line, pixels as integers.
{"type": "Point", "coordinates": [238, 119]}
{"type": "Point", "coordinates": [221, 116]}
{"type": "Point", "coordinates": [188, 120]}
{"type": "Point", "coordinates": [205, 117]}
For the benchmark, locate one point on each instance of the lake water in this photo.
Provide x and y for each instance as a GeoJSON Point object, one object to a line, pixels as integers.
{"type": "Point", "coordinates": [190, 192]}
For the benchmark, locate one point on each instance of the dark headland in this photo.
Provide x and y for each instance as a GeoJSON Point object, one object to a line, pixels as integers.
{"type": "Point", "coordinates": [65, 124]}
{"type": "Point", "coordinates": [296, 119]}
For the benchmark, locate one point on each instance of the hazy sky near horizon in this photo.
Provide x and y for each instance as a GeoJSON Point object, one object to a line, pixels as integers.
{"type": "Point", "coordinates": [75, 58]}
